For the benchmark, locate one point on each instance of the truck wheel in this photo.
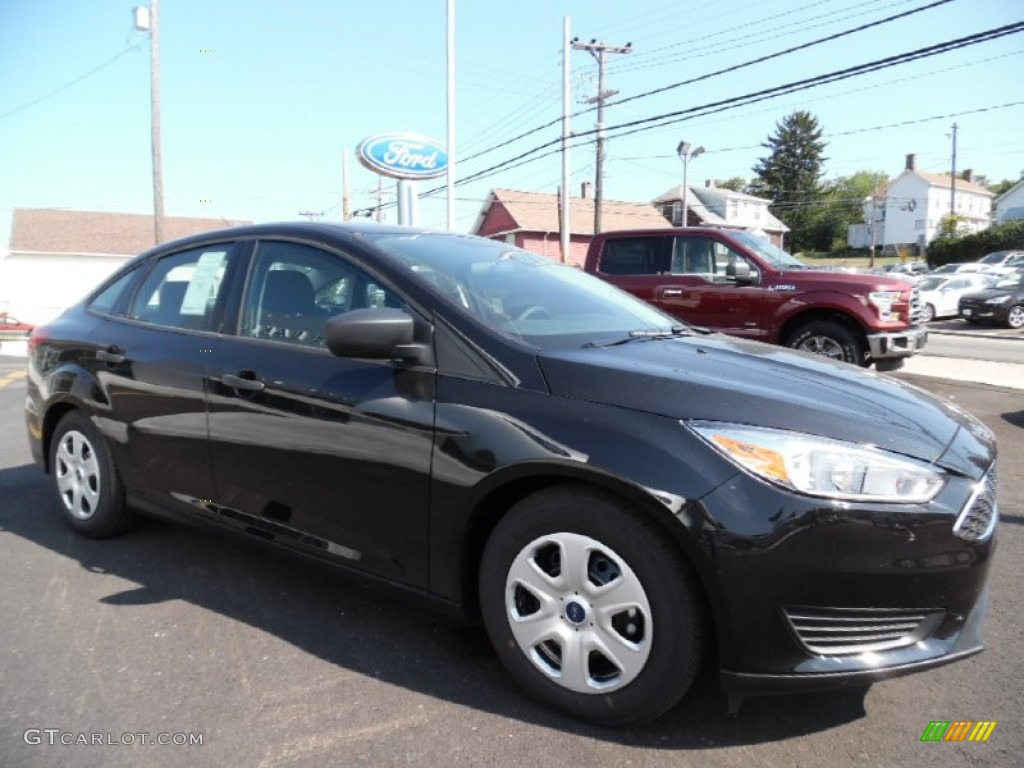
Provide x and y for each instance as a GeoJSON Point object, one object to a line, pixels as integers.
{"type": "Point", "coordinates": [590, 607]}
{"type": "Point", "coordinates": [828, 339]}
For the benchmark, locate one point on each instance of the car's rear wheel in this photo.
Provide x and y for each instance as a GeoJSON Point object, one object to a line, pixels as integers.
{"type": "Point", "coordinates": [828, 339]}
{"type": "Point", "coordinates": [590, 607]}
{"type": "Point", "coordinates": [85, 479]}
{"type": "Point", "coordinates": [1015, 317]}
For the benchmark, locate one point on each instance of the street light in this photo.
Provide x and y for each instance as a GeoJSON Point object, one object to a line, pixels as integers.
{"type": "Point", "coordinates": [685, 154]}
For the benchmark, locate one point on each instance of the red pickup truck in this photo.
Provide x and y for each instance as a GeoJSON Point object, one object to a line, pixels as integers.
{"type": "Point", "coordinates": [734, 282]}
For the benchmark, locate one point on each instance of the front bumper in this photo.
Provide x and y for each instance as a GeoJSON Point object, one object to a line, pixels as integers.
{"type": "Point", "coordinates": [817, 595]}
{"type": "Point", "coordinates": [894, 344]}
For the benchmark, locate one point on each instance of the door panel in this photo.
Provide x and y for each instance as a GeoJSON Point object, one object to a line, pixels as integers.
{"type": "Point", "coordinates": [325, 454]}
{"type": "Point", "coordinates": [152, 371]}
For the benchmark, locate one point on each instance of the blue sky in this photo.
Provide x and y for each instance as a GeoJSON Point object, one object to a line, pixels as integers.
{"type": "Point", "coordinates": [260, 98]}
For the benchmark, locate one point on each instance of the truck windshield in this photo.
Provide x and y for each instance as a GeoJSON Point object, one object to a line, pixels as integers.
{"type": "Point", "coordinates": [774, 255]}
{"type": "Point", "coordinates": [521, 294]}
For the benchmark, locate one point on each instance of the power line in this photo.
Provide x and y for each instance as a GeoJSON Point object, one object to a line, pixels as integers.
{"type": "Point", "coordinates": [734, 68]}
{"type": "Point", "coordinates": [67, 85]}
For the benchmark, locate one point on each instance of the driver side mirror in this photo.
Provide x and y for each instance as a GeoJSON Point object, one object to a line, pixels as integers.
{"type": "Point", "coordinates": [739, 271]}
{"type": "Point", "coordinates": [378, 333]}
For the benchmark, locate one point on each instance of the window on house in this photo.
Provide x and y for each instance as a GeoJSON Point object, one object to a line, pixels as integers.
{"type": "Point", "coordinates": [919, 224]}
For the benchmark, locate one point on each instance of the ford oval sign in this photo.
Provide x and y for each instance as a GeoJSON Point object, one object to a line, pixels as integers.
{"type": "Point", "coordinates": [403, 156]}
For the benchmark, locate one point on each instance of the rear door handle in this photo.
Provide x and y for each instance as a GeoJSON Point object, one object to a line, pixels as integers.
{"type": "Point", "coordinates": [237, 382]}
{"type": "Point", "coordinates": [110, 355]}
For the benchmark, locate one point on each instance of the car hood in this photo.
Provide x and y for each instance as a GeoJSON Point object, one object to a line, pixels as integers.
{"type": "Point", "coordinates": [991, 293]}
{"type": "Point", "coordinates": [720, 378]}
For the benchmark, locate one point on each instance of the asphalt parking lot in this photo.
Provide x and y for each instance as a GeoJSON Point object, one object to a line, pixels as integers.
{"type": "Point", "coordinates": [274, 661]}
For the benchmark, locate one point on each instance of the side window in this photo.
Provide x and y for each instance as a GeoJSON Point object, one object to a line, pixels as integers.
{"type": "Point", "coordinates": [632, 256]}
{"type": "Point", "coordinates": [295, 288]}
{"type": "Point", "coordinates": [703, 257]}
{"type": "Point", "coordinates": [181, 291]}
{"type": "Point", "coordinates": [112, 299]}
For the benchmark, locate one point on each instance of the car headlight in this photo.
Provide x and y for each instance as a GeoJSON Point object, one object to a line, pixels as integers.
{"type": "Point", "coordinates": [997, 300]}
{"type": "Point", "coordinates": [818, 466]}
{"type": "Point", "coordinates": [883, 301]}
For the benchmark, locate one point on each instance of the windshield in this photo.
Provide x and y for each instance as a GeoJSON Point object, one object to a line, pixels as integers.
{"type": "Point", "coordinates": [1011, 282]}
{"type": "Point", "coordinates": [931, 283]}
{"type": "Point", "coordinates": [521, 294]}
{"type": "Point", "coordinates": [772, 254]}
{"type": "Point", "coordinates": [995, 258]}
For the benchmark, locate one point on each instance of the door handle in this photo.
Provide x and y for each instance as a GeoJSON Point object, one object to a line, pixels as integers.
{"type": "Point", "coordinates": [237, 382]}
{"type": "Point", "coordinates": [672, 292]}
{"type": "Point", "coordinates": [110, 355]}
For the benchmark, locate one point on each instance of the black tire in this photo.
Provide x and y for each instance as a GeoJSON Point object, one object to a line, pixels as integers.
{"type": "Point", "coordinates": [85, 480]}
{"type": "Point", "coordinates": [828, 339]}
{"type": "Point", "coordinates": [927, 313]}
{"type": "Point", "coordinates": [1015, 317]}
{"type": "Point", "coordinates": [661, 638]}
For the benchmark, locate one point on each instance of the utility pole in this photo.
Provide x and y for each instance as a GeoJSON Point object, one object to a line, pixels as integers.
{"type": "Point", "coordinates": [598, 50]}
{"type": "Point", "coordinates": [565, 233]}
{"type": "Point", "coordinates": [952, 182]}
{"type": "Point", "coordinates": [148, 20]}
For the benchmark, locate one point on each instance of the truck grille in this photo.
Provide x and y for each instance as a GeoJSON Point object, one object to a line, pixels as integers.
{"type": "Point", "coordinates": [978, 518]}
{"type": "Point", "coordinates": [836, 631]}
{"type": "Point", "coordinates": [915, 306]}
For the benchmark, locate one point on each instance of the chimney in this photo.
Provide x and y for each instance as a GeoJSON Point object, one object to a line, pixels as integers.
{"type": "Point", "coordinates": [968, 176]}
{"type": "Point", "coordinates": [586, 190]}
{"type": "Point", "coordinates": [709, 183]}
{"type": "Point", "coordinates": [911, 162]}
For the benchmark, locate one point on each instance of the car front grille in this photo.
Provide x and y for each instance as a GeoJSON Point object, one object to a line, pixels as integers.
{"type": "Point", "coordinates": [838, 631]}
{"type": "Point", "coordinates": [978, 518]}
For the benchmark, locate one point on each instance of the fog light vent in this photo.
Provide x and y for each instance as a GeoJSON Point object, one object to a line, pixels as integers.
{"type": "Point", "coordinates": [836, 631]}
{"type": "Point", "coordinates": [978, 519]}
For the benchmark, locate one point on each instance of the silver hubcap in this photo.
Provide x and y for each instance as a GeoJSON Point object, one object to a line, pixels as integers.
{"type": "Point", "coordinates": [1015, 317]}
{"type": "Point", "coordinates": [78, 475]}
{"type": "Point", "coordinates": [823, 345]}
{"type": "Point", "coordinates": [579, 613]}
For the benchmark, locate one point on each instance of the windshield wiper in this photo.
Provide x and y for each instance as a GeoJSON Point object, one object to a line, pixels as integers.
{"type": "Point", "coordinates": [649, 334]}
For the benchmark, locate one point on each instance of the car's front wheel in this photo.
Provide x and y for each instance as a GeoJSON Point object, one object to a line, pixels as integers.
{"type": "Point", "coordinates": [590, 606]}
{"type": "Point", "coordinates": [927, 313]}
{"type": "Point", "coordinates": [1015, 317]}
{"type": "Point", "coordinates": [86, 481]}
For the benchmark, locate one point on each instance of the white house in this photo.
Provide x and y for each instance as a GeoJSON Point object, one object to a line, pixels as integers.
{"type": "Point", "coordinates": [56, 256]}
{"type": "Point", "coordinates": [909, 210]}
{"type": "Point", "coordinates": [1009, 206]}
{"type": "Point", "coordinates": [711, 206]}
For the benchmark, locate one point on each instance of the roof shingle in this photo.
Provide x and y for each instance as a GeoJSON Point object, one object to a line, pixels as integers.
{"type": "Point", "coordinates": [55, 230]}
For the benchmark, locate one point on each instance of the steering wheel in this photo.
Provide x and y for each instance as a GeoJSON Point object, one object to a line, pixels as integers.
{"type": "Point", "coordinates": [534, 311]}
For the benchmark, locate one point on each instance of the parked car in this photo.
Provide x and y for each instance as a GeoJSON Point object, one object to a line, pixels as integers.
{"type": "Point", "coordinates": [940, 294]}
{"type": "Point", "coordinates": [618, 495]}
{"type": "Point", "coordinates": [12, 328]}
{"type": "Point", "coordinates": [914, 269]}
{"type": "Point", "coordinates": [998, 259]}
{"type": "Point", "coordinates": [1002, 303]}
{"type": "Point", "coordinates": [956, 267]}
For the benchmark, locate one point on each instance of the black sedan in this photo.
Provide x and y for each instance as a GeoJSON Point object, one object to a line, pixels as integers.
{"type": "Point", "coordinates": [1003, 303]}
{"type": "Point", "coordinates": [619, 497]}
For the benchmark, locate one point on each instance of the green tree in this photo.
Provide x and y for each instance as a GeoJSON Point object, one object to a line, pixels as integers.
{"type": "Point", "coordinates": [736, 184]}
{"type": "Point", "coordinates": [841, 205]}
{"type": "Point", "coordinates": [791, 174]}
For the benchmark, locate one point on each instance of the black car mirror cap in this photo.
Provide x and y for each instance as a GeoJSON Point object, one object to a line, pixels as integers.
{"type": "Point", "coordinates": [378, 333]}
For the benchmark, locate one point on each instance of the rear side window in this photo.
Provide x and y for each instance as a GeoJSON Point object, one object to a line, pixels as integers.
{"type": "Point", "coordinates": [182, 290]}
{"type": "Point", "coordinates": [633, 256]}
{"type": "Point", "coordinates": [113, 299]}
